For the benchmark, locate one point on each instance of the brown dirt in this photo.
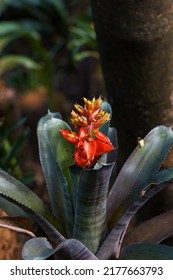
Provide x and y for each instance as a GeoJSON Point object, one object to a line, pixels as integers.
{"type": "Point", "coordinates": [10, 243]}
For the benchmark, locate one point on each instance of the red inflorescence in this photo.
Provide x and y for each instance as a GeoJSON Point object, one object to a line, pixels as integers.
{"type": "Point", "coordinates": [90, 142]}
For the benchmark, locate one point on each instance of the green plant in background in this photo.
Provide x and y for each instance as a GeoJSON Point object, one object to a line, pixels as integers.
{"type": "Point", "coordinates": [11, 148]}
{"type": "Point", "coordinates": [91, 206]}
{"type": "Point", "coordinates": [10, 31]}
{"type": "Point", "coordinates": [48, 28]}
{"type": "Point", "coordinates": [43, 19]}
{"type": "Point", "coordinates": [82, 42]}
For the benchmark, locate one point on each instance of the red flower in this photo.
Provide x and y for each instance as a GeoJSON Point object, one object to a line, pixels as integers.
{"type": "Point", "coordinates": [90, 142]}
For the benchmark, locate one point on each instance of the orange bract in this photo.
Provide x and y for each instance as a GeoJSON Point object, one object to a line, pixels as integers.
{"type": "Point", "coordinates": [90, 142]}
{"type": "Point", "coordinates": [90, 113]}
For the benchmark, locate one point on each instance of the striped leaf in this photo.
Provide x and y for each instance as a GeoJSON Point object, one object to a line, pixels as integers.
{"type": "Point", "coordinates": [164, 176]}
{"type": "Point", "coordinates": [112, 245]}
{"type": "Point", "coordinates": [90, 213]}
{"type": "Point", "coordinates": [69, 249]}
{"type": "Point", "coordinates": [72, 249]}
{"type": "Point", "coordinates": [160, 227]}
{"type": "Point", "coordinates": [141, 166]}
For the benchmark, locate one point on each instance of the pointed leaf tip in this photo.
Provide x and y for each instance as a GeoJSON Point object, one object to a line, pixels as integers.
{"type": "Point", "coordinates": [37, 249]}
{"type": "Point", "coordinates": [141, 166]}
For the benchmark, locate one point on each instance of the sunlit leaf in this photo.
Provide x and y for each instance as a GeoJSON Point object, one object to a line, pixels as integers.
{"type": "Point", "coordinates": [9, 62]}
{"type": "Point", "coordinates": [10, 30]}
{"type": "Point", "coordinates": [85, 54]}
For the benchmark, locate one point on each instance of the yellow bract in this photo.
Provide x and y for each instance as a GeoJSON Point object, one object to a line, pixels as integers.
{"type": "Point", "coordinates": [91, 113]}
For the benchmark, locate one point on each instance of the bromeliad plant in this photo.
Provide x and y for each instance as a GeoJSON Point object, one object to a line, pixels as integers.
{"type": "Point", "coordinates": [91, 206]}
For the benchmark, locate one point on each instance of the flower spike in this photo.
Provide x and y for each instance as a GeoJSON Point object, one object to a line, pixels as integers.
{"type": "Point", "coordinates": [90, 142]}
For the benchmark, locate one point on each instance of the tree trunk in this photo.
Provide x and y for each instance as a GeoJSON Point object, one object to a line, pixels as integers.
{"type": "Point", "coordinates": [135, 40]}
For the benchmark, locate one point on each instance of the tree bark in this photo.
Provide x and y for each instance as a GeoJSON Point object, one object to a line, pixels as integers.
{"type": "Point", "coordinates": [135, 40]}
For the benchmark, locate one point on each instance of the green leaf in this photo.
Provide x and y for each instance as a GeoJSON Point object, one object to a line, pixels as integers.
{"type": "Point", "coordinates": [85, 54]}
{"type": "Point", "coordinates": [76, 44]}
{"type": "Point", "coordinates": [19, 194]}
{"type": "Point", "coordinates": [90, 213]}
{"type": "Point", "coordinates": [69, 249]}
{"type": "Point", "coordinates": [141, 166]}
{"type": "Point", "coordinates": [21, 32]}
{"type": "Point", "coordinates": [115, 238]}
{"type": "Point", "coordinates": [160, 227]}
{"type": "Point", "coordinates": [13, 128]}
{"type": "Point", "coordinates": [9, 62]}
{"type": "Point", "coordinates": [72, 249]}
{"type": "Point", "coordinates": [55, 153]}
{"type": "Point", "coordinates": [11, 209]}
{"type": "Point", "coordinates": [84, 31]}
{"type": "Point", "coordinates": [10, 30]}
{"type": "Point", "coordinates": [147, 252]}
{"type": "Point", "coordinates": [60, 8]}
{"type": "Point", "coordinates": [75, 172]}
{"type": "Point", "coordinates": [5, 41]}
{"type": "Point", "coordinates": [37, 248]}
{"type": "Point", "coordinates": [163, 176]}
{"type": "Point", "coordinates": [4, 4]}
{"type": "Point", "coordinates": [16, 147]}
{"type": "Point", "coordinates": [61, 148]}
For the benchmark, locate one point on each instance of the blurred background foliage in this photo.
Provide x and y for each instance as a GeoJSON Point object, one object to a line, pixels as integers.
{"type": "Point", "coordinates": [48, 60]}
{"type": "Point", "coordinates": [42, 41]}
